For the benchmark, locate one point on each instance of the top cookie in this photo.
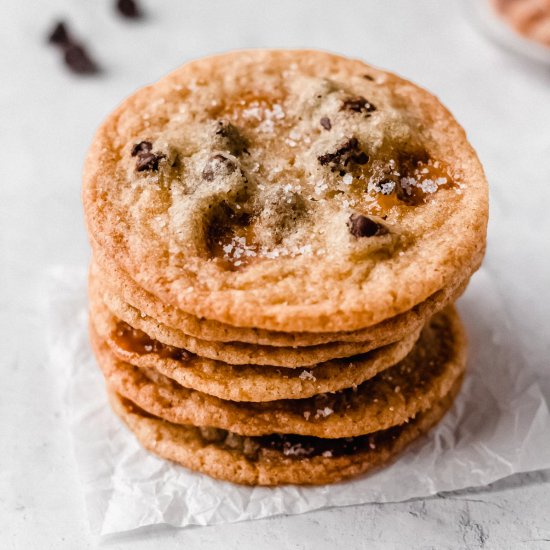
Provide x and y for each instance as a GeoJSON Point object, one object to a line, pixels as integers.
{"type": "Point", "coordinates": [286, 190]}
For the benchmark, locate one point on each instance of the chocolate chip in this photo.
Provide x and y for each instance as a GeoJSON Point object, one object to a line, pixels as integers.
{"type": "Point", "coordinates": [347, 152]}
{"type": "Point", "coordinates": [368, 77]}
{"type": "Point", "coordinates": [361, 158]}
{"type": "Point", "coordinates": [229, 137]}
{"type": "Point", "coordinates": [361, 226]}
{"type": "Point", "coordinates": [128, 8]}
{"type": "Point", "coordinates": [78, 60]}
{"type": "Point", "coordinates": [148, 161]}
{"type": "Point", "coordinates": [357, 104]}
{"type": "Point", "coordinates": [59, 36]}
{"type": "Point", "coordinates": [141, 147]}
{"type": "Point", "coordinates": [325, 123]}
{"type": "Point", "coordinates": [218, 164]}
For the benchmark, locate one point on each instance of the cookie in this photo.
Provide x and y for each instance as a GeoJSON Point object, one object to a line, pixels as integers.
{"type": "Point", "coordinates": [293, 191]}
{"type": "Point", "coordinates": [239, 353]}
{"type": "Point", "coordinates": [276, 459]}
{"type": "Point", "coordinates": [246, 382]}
{"type": "Point", "coordinates": [117, 287]}
{"type": "Point", "coordinates": [388, 399]}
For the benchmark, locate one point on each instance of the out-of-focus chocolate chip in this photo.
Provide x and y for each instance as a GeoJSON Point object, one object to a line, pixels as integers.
{"type": "Point", "coordinates": [230, 138]}
{"type": "Point", "coordinates": [148, 161]}
{"type": "Point", "coordinates": [361, 158]}
{"type": "Point", "coordinates": [141, 147]}
{"type": "Point", "coordinates": [361, 226]}
{"type": "Point", "coordinates": [368, 77]}
{"type": "Point", "coordinates": [357, 104]}
{"type": "Point", "coordinates": [78, 60]}
{"type": "Point", "coordinates": [128, 8]}
{"type": "Point", "coordinates": [218, 164]}
{"type": "Point", "coordinates": [346, 153]}
{"type": "Point", "coordinates": [326, 123]}
{"type": "Point", "coordinates": [59, 35]}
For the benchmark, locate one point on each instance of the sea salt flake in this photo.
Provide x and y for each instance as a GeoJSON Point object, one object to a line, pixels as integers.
{"type": "Point", "coordinates": [327, 454]}
{"type": "Point", "coordinates": [428, 186]}
{"type": "Point", "coordinates": [347, 179]}
{"type": "Point", "coordinates": [277, 111]}
{"type": "Point", "coordinates": [327, 411]}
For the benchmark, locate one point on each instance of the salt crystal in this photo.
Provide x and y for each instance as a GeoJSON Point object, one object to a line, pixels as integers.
{"type": "Point", "coordinates": [327, 411]}
{"type": "Point", "coordinates": [327, 454]}
{"type": "Point", "coordinates": [306, 375]}
{"type": "Point", "coordinates": [347, 179]}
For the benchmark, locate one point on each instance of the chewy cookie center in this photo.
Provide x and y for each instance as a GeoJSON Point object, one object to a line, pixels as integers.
{"type": "Point", "coordinates": [284, 174]}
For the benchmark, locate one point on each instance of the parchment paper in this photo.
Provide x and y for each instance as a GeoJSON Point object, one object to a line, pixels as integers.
{"type": "Point", "coordinates": [498, 426]}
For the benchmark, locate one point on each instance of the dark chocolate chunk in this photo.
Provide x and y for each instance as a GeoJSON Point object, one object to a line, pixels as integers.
{"type": "Point", "coordinates": [148, 161]}
{"type": "Point", "coordinates": [361, 226]}
{"type": "Point", "coordinates": [348, 152]}
{"type": "Point", "coordinates": [78, 60]}
{"type": "Point", "coordinates": [141, 147]}
{"type": "Point", "coordinates": [368, 77]}
{"type": "Point", "coordinates": [59, 36]}
{"type": "Point", "coordinates": [361, 158]}
{"type": "Point", "coordinates": [218, 164]}
{"type": "Point", "coordinates": [128, 8]}
{"type": "Point", "coordinates": [230, 138]}
{"type": "Point", "coordinates": [326, 123]}
{"type": "Point", "coordinates": [357, 104]}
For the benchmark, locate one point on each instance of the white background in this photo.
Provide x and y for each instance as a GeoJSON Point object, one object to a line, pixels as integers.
{"type": "Point", "coordinates": [47, 118]}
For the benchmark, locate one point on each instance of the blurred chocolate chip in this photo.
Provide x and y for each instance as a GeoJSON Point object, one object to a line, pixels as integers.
{"type": "Point", "coordinates": [78, 60]}
{"type": "Point", "coordinates": [361, 226]}
{"type": "Point", "coordinates": [361, 158]}
{"type": "Point", "coordinates": [128, 8]}
{"type": "Point", "coordinates": [148, 161]}
{"type": "Point", "coordinates": [326, 123]}
{"type": "Point", "coordinates": [59, 35]}
{"type": "Point", "coordinates": [357, 104]}
{"type": "Point", "coordinates": [229, 137]}
{"type": "Point", "coordinates": [218, 164]}
{"type": "Point", "coordinates": [141, 147]}
{"type": "Point", "coordinates": [347, 152]}
{"type": "Point", "coordinates": [368, 77]}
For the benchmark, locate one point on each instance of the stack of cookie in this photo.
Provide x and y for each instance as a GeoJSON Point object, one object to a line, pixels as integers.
{"type": "Point", "coordinates": [278, 238]}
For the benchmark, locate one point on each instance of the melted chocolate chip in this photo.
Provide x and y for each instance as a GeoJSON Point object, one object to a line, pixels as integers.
{"type": "Point", "coordinates": [59, 36]}
{"type": "Point", "coordinates": [303, 446]}
{"type": "Point", "coordinates": [231, 138]}
{"type": "Point", "coordinates": [218, 164]}
{"type": "Point", "coordinates": [368, 77]}
{"type": "Point", "coordinates": [361, 226]}
{"type": "Point", "coordinates": [141, 147]}
{"type": "Point", "coordinates": [128, 8]}
{"type": "Point", "coordinates": [347, 152]}
{"type": "Point", "coordinates": [148, 161]}
{"type": "Point", "coordinates": [326, 123]}
{"type": "Point", "coordinates": [357, 104]}
{"type": "Point", "coordinates": [78, 60]}
{"type": "Point", "coordinates": [361, 158]}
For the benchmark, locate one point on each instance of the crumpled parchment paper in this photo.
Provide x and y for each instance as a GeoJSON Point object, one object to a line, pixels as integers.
{"type": "Point", "coordinates": [498, 426]}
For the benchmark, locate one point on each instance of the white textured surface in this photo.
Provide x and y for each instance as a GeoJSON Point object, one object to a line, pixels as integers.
{"type": "Point", "coordinates": [46, 121]}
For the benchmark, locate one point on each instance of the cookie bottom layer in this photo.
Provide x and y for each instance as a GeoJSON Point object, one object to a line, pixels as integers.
{"type": "Point", "coordinates": [277, 459]}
